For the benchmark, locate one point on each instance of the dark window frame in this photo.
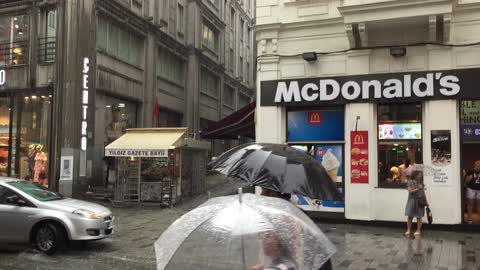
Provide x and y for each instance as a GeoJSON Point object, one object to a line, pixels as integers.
{"type": "Point", "coordinates": [382, 183]}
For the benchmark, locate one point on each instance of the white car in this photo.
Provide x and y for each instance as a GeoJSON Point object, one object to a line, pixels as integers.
{"type": "Point", "coordinates": [30, 213]}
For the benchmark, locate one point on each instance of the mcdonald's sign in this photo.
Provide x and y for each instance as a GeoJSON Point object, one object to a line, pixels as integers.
{"type": "Point", "coordinates": [358, 139]}
{"type": "Point", "coordinates": [315, 118]}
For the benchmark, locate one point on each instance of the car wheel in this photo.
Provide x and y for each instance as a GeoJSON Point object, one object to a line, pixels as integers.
{"type": "Point", "coordinates": [49, 238]}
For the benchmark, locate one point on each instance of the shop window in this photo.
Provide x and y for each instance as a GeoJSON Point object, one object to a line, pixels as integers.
{"type": "Point", "coordinates": [169, 118]}
{"type": "Point", "coordinates": [119, 115]}
{"type": "Point", "coordinates": [316, 125]}
{"type": "Point", "coordinates": [30, 138]}
{"type": "Point", "coordinates": [399, 142]}
{"type": "Point", "coordinates": [170, 67]}
{"type": "Point", "coordinates": [13, 39]}
{"type": "Point", "coordinates": [209, 83]}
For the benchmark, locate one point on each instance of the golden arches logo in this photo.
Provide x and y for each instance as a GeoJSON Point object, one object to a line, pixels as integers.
{"type": "Point", "coordinates": [358, 139]}
{"type": "Point", "coordinates": [315, 117]}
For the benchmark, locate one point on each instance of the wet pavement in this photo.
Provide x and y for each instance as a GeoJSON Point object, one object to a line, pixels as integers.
{"type": "Point", "coordinates": [359, 247]}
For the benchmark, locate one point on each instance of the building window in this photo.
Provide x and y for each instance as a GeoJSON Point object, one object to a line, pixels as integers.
{"type": "Point", "coordinates": [232, 19]}
{"type": "Point", "coordinates": [240, 68]}
{"type": "Point", "coordinates": [210, 38]}
{"type": "Point", "coordinates": [13, 39]}
{"type": "Point", "coordinates": [168, 118]}
{"type": "Point", "coordinates": [247, 77]}
{"type": "Point", "coordinates": [243, 100]}
{"type": "Point", "coordinates": [229, 96]}
{"type": "Point", "coordinates": [249, 31]}
{"type": "Point", "coordinates": [209, 83]}
{"type": "Point", "coordinates": [232, 61]}
{"type": "Point", "coordinates": [242, 29]}
{"type": "Point", "coordinates": [170, 67]}
{"type": "Point", "coordinates": [399, 142]}
{"type": "Point", "coordinates": [118, 42]}
{"type": "Point", "coordinates": [163, 10]}
{"type": "Point", "coordinates": [119, 115]}
{"type": "Point", "coordinates": [181, 20]}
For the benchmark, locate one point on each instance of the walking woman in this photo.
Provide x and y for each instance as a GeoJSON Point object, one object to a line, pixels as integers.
{"type": "Point", "coordinates": [416, 202]}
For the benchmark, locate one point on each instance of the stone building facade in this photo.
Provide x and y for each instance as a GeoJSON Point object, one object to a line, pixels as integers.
{"type": "Point", "coordinates": [75, 74]}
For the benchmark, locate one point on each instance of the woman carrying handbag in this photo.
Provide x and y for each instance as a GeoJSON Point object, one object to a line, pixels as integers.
{"type": "Point", "coordinates": [416, 203]}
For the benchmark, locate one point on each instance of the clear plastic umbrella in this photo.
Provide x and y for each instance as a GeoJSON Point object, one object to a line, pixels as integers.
{"type": "Point", "coordinates": [243, 232]}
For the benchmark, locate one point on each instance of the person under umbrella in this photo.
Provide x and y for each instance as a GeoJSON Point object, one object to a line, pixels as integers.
{"type": "Point", "coordinates": [243, 232]}
{"type": "Point", "coordinates": [280, 168]}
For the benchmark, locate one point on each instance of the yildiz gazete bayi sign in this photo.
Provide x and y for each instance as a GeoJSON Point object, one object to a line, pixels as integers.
{"type": "Point", "coordinates": [386, 87]}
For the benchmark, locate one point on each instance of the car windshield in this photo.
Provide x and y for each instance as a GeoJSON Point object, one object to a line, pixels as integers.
{"type": "Point", "coordinates": [36, 191]}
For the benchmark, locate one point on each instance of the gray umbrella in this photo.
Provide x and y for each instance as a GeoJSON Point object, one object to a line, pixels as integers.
{"type": "Point", "coordinates": [242, 232]}
{"type": "Point", "coordinates": [278, 167]}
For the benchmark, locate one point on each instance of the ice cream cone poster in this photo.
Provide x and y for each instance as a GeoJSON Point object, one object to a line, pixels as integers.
{"type": "Point", "coordinates": [331, 158]}
{"type": "Point", "coordinates": [359, 157]}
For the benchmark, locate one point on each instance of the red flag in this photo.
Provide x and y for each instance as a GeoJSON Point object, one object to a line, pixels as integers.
{"type": "Point", "coordinates": [156, 109]}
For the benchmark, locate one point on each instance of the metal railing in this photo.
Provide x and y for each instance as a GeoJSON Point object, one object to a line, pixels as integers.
{"type": "Point", "coordinates": [14, 53]}
{"type": "Point", "coordinates": [47, 49]}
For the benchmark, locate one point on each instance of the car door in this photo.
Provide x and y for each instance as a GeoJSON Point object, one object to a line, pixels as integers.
{"type": "Point", "coordinates": [15, 221]}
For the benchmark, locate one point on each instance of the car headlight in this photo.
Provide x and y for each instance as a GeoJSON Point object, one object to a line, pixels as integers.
{"type": "Point", "coordinates": [87, 214]}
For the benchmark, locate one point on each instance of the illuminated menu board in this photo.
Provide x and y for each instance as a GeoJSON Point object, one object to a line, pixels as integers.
{"type": "Point", "coordinates": [400, 131]}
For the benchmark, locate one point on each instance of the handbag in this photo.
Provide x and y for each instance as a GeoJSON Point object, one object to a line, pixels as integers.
{"type": "Point", "coordinates": [429, 216]}
{"type": "Point", "coordinates": [421, 198]}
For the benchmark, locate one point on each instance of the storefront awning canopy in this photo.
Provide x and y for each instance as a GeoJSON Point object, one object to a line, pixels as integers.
{"type": "Point", "coordinates": [146, 142]}
{"type": "Point", "coordinates": [239, 123]}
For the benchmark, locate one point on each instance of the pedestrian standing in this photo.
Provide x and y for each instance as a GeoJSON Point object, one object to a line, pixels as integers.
{"type": "Point", "coordinates": [416, 202]}
{"type": "Point", "coordinates": [472, 181]}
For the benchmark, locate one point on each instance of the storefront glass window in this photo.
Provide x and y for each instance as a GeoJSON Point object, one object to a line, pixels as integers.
{"type": "Point", "coordinates": [13, 39]}
{"type": "Point", "coordinates": [470, 128]}
{"type": "Point", "coordinates": [399, 142]}
{"type": "Point", "coordinates": [119, 115]}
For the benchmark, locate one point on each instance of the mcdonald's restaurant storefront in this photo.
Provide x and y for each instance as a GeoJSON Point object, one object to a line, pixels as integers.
{"type": "Point", "coordinates": [364, 128]}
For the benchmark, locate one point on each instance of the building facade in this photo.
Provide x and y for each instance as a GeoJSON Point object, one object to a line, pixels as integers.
{"type": "Point", "coordinates": [364, 86]}
{"type": "Point", "coordinates": [74, 75]}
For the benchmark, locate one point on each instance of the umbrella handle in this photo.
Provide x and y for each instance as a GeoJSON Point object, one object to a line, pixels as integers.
{"type": "Point", "coordinates": [240, 192]}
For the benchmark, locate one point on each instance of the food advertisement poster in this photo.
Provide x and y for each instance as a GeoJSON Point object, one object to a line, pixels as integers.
{"type": "Point", "coordinates": [441, 157]}
{"type": "Point", "coordinates": [399, 131]}
{"type": "Point", "coordinates": [359, 157]}
{"type": "Point", "coordinates": [331, 158]}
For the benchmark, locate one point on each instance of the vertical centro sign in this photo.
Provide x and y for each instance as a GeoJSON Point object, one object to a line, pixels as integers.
{"type": "Point", "coordinates": [3, 77]}
{"type": "Point", "coordinates": [86, 68]}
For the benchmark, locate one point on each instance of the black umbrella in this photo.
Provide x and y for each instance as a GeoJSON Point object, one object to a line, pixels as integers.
{"type": "Point", "coordinates": [277, 167]}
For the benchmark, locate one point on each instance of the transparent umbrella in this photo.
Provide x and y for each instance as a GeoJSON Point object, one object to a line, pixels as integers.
{"type": "Point", "coordinates": [243, 232]}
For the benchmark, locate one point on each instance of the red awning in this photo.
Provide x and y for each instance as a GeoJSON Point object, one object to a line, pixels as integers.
{"type": "Point", "coordinates": [240, 123]}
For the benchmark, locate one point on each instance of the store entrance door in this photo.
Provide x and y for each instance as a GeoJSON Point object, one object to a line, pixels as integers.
{"type": "Point", "coordinates": [470, 153]}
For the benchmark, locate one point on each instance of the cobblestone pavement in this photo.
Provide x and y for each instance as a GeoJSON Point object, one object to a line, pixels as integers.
{"type": "Point", "coordinates": [359, 247]}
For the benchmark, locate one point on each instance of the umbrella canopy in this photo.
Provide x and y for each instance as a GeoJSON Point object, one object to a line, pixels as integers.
{"type": "Point", "coordinates": [278, 167]}
{"type": "Point", "coordinates": [232, 233]}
